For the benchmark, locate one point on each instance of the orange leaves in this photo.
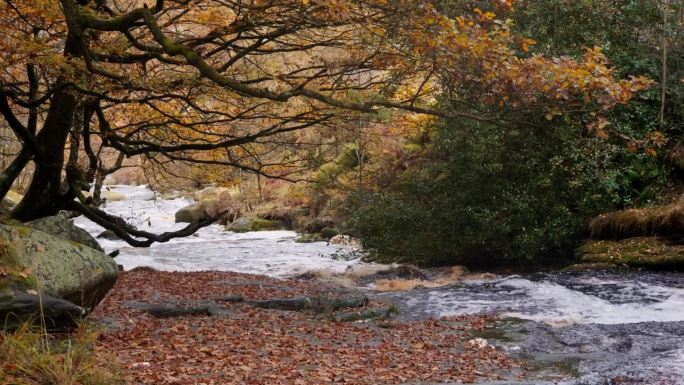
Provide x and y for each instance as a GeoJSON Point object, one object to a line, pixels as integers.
{"type": "Point", "coordinates": [526, 43]}
{"type": "Point", "coordinates": [253, 346]}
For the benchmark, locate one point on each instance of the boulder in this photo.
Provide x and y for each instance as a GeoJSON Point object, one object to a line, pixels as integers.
{"type": "Point", "coordinates": [62, 227]}
{"type": "Point", "coordinates": [113, 196]}
{"type": "Point", "coordinates": [190, 214]}
{"type": "Point", "coordinates": [240, 225]}
{"type": "Point", "coordinates": [108, 234]}
{"type": "Point", "coordinates": [58, 267]}
{"type": "Point", "coordinates": [287, 216]}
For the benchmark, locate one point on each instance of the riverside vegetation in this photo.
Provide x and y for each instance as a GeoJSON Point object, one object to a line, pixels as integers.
{"type": "Point", "coordinates": [491, 134]}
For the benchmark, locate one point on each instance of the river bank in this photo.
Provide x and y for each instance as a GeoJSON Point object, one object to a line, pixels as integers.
{"type": "Point", "coordinates": [247, 345]}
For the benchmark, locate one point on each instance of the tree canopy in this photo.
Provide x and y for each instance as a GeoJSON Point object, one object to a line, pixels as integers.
{"type": "Point", "coordinates": [233, 82]}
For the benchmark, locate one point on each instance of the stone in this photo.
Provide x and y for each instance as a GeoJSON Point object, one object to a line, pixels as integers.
{"type": "Point", "coordinates": [59, 268]}
{"type": "Point", "coordinates": [113, 196]}
{"type": "Point", "coordinates": [61, 226]}
{"type": "Point", "coordinates": [240, 225]}
{"type": "Point", "coordinates": [108, 234]}
{"type": "Point", "coordinates": [190, 214]}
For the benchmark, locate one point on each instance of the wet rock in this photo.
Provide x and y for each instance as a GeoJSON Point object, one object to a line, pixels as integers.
{"type": "Point", "coordinates": [287, 216]}
{"type": "Point", "coordinates": [113, 196]}
{"type": "Point", "coordinates": [240, 225]}
{"type": "Point", "coordinates": [108, 234]}
{"type": "Point", "coordinates": [18, 307]}
{"type": "Point", "coordinates": [65, 269]}
{"type": "Point", "coordinates": [62, 227]}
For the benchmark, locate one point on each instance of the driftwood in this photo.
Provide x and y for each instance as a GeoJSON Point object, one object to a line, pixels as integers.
{"type": "Point", "coordinates": [228, 298]}
{"type": "Point", "coordinates": [370, 314]}
{"type": "Point", "coordinates": [18, 307]}
{"type": "Point", "coordinates": [172, 310]}
{"type": "Point", "coordinates": [317, 304]}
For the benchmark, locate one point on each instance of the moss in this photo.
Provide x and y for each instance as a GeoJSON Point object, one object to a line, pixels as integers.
{"type": "Point", "coordinates": [329, 232]}
{"type": "Point", "coordinates": [310, 238]}
{"type": "Point", "coordinates": [264, 224]}
{"type": "Point", "coordinates": [647, 252]}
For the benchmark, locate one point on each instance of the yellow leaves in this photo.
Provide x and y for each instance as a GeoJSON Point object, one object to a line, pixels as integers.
{"type": "Point", "coordinates": [526, 43]}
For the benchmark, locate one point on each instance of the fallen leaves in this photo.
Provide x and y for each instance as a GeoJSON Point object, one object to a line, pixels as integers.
{"type": "Point", "coordinates": [257, 346]}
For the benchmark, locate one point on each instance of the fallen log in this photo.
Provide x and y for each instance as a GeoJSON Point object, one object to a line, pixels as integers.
{"type": "Point", "coordinates": [317, 304]}
{"type": "Point", "coordinates": [383, 313]}
{"type": "Point", "coordinates": [171, 310]}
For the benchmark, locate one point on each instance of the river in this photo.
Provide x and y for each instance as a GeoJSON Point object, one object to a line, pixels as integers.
{"type": "Point", "coordinates": [591, 328]}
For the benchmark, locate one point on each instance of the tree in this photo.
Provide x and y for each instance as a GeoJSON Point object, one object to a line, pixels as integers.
{"type": "Point", "coordinates": [224, 81]}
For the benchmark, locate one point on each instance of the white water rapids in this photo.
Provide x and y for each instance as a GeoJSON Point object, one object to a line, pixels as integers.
{"type": "Point", "coordinates": [273, 253]}
{"type": "Point", "coordinates": [578, 299]}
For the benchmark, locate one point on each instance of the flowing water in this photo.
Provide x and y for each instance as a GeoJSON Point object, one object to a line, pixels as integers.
{"type": "Point", "coordinates": [591, 328]}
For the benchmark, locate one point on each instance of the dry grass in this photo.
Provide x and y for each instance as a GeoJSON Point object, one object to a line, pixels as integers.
{"type": "Point", "coordinates": [654, 221]}
{"type": "Point", "coordinates": [31, 357]}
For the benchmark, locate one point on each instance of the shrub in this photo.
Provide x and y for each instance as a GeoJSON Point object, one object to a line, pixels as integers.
{"type": "Point", "coordinates": [497, 196]}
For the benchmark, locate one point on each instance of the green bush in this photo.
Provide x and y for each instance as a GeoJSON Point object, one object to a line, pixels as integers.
{"type": "Point", "coordinates": [500, 196]}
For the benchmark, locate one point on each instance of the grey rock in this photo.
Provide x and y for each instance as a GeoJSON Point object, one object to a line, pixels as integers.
{"type": "Point", "coordinates": [62, 227]}
{"type": "Point", "coordinates": [63, 268]}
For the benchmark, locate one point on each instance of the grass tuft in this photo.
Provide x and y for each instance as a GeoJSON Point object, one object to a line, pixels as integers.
{"type": "Point", "coordinates": [646, 222]}
{"type": "Point", "coordinates": [31, 357]}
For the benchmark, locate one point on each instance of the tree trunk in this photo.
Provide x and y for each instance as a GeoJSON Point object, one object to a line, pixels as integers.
{"type": "Point", "coordinates": [43, 195]}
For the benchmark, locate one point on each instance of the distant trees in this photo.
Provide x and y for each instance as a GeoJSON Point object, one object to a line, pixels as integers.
{"type": "Point", "coordinates": [232, 82]}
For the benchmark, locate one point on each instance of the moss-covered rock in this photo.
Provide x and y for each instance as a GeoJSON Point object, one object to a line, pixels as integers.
{"type": "Point", "coordinates": [240, 225]}
{"type": "Point", "coordinates": [310, 238]}
{"type": "Point", "coordinates": [57, 267]}
{"type": "Point", "coordinates": [61, 226]}
{"type": "Point", "coordinates": [190, 214]}
{"type": "Point", "coordinates": [329, 232]}
{"type": "Point", "coordinates": [259, 224]}
{"type": "Point", "coordinates": [646, 252]}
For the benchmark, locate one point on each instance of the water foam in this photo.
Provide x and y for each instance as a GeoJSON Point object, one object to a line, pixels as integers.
{"type": "Point", "coordinates": [273, 253]}
{"type": "Point", "coordinates": [604, 302]}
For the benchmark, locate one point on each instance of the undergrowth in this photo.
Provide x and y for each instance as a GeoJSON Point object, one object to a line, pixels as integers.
{"type": "Point", "coordinates": [31, 357]}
